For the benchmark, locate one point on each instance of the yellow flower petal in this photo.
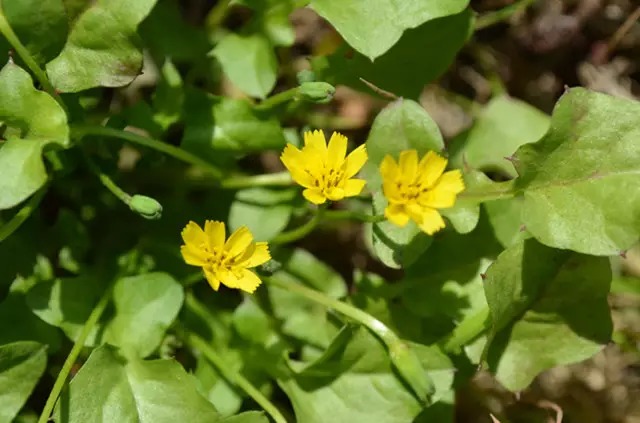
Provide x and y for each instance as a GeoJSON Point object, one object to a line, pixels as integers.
{"type": "Point", "coordinates": [451, 181]}
{"type": "Point", "coordinates": [415, 212]}
{"type": "Point", "coordinates": [238, 241]}
{"type": "Point", "coordinates": [396, 214]}
{"type": "Point", "coordinates": [192, 234]}
{"type": "Point", "coordinates": [315, 141]}
{"type": "Point", "coordinates": [294, 161]}
{"type": "Point", "coordinates": [391, 191]}
{"type": "Point", "coordinates": [314, 195]}
{"type": "Point", "coordinates": [432, 221]}
{"type": "Point", "coordinates": [336, 151]}
{"type": "Point", "coordinates": [430, 168]}
{"type": "Point", "coordinates": [215, 233]}
{"type": "Point", "coordinates": [193, 255]}
{"type": "Point", "coordinates": [409, 164]}
{"type": "Point", "coordinates": [355, 160]}
{"type": "Point", "coordinates": [248, 282]}
{"type": "Point", "coordinates": [388, 168]}
{"type": "Point", "coordinates": [256, 254]}
{"type": "Point", "coordinates": [438, 198]}
{"type": "Point", "coordinates": [335, 194]}
{"type": "Point", "coordinates": [212, 279]}
{"type": "Point", "coordinates": [354, 187]}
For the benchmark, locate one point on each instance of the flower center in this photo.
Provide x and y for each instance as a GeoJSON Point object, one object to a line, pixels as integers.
{"type": "Point", "coordinates": [218, 259]}
{"type": "Point", "coordinates": [411, 191]}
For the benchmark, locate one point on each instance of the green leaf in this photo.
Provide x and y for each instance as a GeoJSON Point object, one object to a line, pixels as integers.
{"type": "Point", "coordinates": [504, 125]}
{"type": "Point", "coordinates": [66, 303]}
{"type": "Point", "coordinates": [249, 62]}
{"type": "Point", "coordinates": [145, 306]}
{"type": "Point", "coordinates": [34, 120]}
{"type": "Point", "coordinates": [402, 70]}
{"type": "Point", "coordinates": [266, 212]}
{"type": "Point", "coordinates": [465, 214]}
{"type": "Point", "coordinates": [21, 366]}
{"type": "Point", "coordinates": [548, 308]}
{"type": "Point", "coordinates": [580, 182]}
{"type": "Point", "coordinates": [247, 417]}
{"type": "Point", "coordinates": [402, 125]}
{"type": "Point", "coordinates": [313, 272]}
{"type": "Point", "coordinates": [103, 48]}
{"type": "Point", "coordinates": [373, 27]}
{"type": "Point", "coordinates": [216, 124]}
{"type": "Point", "coordinates": [24, 325]}
{"type": "Point", "coordinates": [226, 398]}
{"type": "Point", "coordinates": [109, 388]}
{"type": "Point", "coordinates": [168, 98]}
{"type": "Point", "coordinates": [352, 381]}
{"type": "Point", "coordinates": [505, 216]}
{"type": "Point", "coordinates": [40, 26]}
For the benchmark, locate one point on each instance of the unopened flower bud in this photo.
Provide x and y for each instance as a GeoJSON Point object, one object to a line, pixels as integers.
{"type": "Point", "coordinates": [317, 92]}
{"type": "Point", "coordinates": [146, 207]}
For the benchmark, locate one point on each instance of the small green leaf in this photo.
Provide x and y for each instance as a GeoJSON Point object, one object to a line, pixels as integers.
{"type": "Point", "coordinates": [145, 306]}
{"type": "Point", "coordinates": [400, 126]}
{"type": "Point", "coordinates": [34, 120]}
{"type": "Point", "coordinates": [249, 62]}
{"type": "Point", "coordinates": [548, 308]}
{"type": "Point", "coordinates": [401, 70]}
{"type": "Point", "coordinates": [313, 272]}
{"type": "Point", "coordinates": [373, 27]}
{"type": "Point", "coordinates": [109, 388]}
{"type": "Point", "coordinates": [226, 398]}
{"type": "Point", "coordinates": [504, 125]}
{"type": "Point", "coordinates": [168, 98]}
{"type": "Point", "coordinates": [264, 211]}
{"type": "Point", "coordinates": [103, 48]}
{"type": "Point", "coordinates": [21, 366]}
{"type": "Point", "coordinates": [580, 182]}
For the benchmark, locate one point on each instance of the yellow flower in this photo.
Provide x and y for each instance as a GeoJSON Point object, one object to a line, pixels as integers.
{"type": "Point", "coordinates": [323, 170]}
{"type": "Point", "coordinates": [224, 262]}
{"type": "Point", "coordinates": [416, 190]}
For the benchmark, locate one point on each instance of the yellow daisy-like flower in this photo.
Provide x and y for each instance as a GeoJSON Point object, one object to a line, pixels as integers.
{"type": "Point", "coordinates": [416, 190]}
{"type": "Point", "coordinates": [325, 171]}
{"type": "Point", "coordinates": [224, 262]}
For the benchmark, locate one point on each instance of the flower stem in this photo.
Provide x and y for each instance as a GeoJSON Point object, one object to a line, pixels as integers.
{"type": "Point", "coordinates": [23, 214]}
{"type": "Point", "coordinates": [266, 180]}
{"type": "Point", "coordinates": [499, 190]}
{"type": "Point", "coordinates": [352, 215]}
{"type": "Point", "coordinates": [468, 330]}
{"type": "Point", "coordinates": [177, 153]}
{"type": "Point", "coordinates": [41, 76]}
{"type": "Point", "coordinates": [107, 181]}
{"type": "Point", "coordinates": [232, 376]}
{"type": "Point", "coordinates": [503, 14]}
{"type": "Point", "coordinates": [75, 351]}
{"type": "Point", "coordinates": [402, 357]}
{"type": "Point", "coordinates": [278, 99]}
{"type": "Point", "coordinates": [301, 231]}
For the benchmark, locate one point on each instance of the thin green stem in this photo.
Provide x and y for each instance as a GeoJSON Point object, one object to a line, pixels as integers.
{"type": "Point", "coordinates": [492, 18]}
{"type": "Point", "coordinates": [302, 230]}
{"type": "Point", "coordinates": [75, 351]}
{"type": "Point", "coordinates": [175, 152]}
{"type": "Point", "coordinates": [23, 214]}
{"type": "Point", "coordinates": [107, 181]}
{"type": "Point", "coordinates": [352, 215]}
{"type": "Point", "coordinates": [231, 375]}
{"type": "Point", "coordinates": [402, 357]}
{"type": "Point", "coordinates": [468, 330]}
{"type": "Point", "coordinates": [498, 191]}
{"type": "Point", "coordinates": [266, 180]}
{"type": "Point", "coordinates": [278, 99]}
{"type": "Point", "coordinates": [41, 76]}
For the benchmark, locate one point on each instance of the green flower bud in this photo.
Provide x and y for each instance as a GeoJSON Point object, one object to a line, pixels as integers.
{"type": "Point", "coordinates": [146, 207]}
{"type": "Point", "coordinates": [408, 365]}
{"type": "Point", "coordinates": [317, 92]}
{"type": "Point", "coordinates": [305, 75]}
{"type": "Point", "coordinates": [271, 267]}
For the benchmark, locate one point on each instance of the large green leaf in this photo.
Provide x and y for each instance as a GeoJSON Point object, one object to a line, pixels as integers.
{"type": "Point", "coordinates": [548, 307]}
{"type": "Point", "coordinates": [21, 365]}
{"type": "Point", "coordinates": [24, 325]}
{"type": "Point", "coordinates": [504, 125]}
{"type": "Point", "coordinates": [145, 306]}
{"type": "Point", "coordinates": [264, 211]}
{"type": "Point", "coordinates": [352, 381]}
{"type": "Point", "coordinates": [103, 48]}
{"type": "Point", "coordinates": [580, 182]}
{"type": "Point", "coordinates": [111, 389]}
{"type": "Point", "coordinates": [41, 26]}
{"type": "Point", "coordinates": [402, 70]}
{"type": "Point", "coordinates": [402, 125]}
{"type": "Point", "coordinates": [249, 62]}
{"type": "Point", "coordinates": [374, 26]}
{"type": "Point", "coordinates": [34, 119]}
